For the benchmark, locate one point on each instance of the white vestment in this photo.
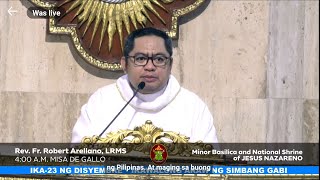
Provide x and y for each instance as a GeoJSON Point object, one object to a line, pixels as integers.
{"type": "Point", "coordinates": [172, 109]}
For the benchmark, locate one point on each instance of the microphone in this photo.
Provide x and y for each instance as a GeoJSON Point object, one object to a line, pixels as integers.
{"type": "Point", "coordinates": [140, 87]}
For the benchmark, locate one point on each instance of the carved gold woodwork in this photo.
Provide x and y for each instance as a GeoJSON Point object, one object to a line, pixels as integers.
{"type": "Point", "coordinates": [98, 27]}
{"type": "Point", "coordinates": [143, 137]}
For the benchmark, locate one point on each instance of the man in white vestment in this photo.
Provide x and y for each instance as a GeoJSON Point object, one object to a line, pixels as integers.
{"type": "Point", "coordinates": [147, 58]}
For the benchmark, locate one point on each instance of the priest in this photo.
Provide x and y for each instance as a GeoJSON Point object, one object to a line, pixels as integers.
{"type": "Point", "coordinates": [147, 58]}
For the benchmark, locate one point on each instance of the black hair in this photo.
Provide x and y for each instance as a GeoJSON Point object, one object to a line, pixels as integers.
{"type": "Point", "coordinates": [129, 43]}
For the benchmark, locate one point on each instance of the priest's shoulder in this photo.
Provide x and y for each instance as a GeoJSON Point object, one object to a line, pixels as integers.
{"type": "Point", "coordinates": [190, 96]}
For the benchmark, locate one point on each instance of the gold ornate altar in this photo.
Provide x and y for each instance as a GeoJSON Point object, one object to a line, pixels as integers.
{"type": "Point", "coordinates": [138, 152]}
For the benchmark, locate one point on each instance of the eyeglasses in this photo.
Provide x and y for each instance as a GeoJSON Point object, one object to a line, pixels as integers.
{"type": "Point", "coordinates": [142, 60]}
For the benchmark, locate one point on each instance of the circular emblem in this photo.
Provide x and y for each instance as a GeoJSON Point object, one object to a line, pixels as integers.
{"type": "Point", "coordinates": [158, 154]}
{"type": "Point", "coordinates": [99, 27]}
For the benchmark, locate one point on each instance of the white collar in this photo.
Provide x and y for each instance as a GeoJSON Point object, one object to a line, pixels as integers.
{"type": "Point", "coordinates": [149, 102]}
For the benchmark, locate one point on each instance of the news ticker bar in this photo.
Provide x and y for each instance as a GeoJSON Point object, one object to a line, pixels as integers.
{"type": "Point", "coordinates": [151, 169]}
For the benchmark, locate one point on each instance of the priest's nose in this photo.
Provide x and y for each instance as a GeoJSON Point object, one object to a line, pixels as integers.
{"type": "Point", "coordinates": [149, 66]}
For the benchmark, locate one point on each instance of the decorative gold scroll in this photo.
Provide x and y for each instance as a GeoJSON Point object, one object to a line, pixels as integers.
{"type": "Point", "coordinates": [98, 27]}
{"type": "Point", "coordinates": [144, 136]}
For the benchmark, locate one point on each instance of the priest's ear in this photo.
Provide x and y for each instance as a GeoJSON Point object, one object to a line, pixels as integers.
{"type": "Point", "coordinates": [124, 64]}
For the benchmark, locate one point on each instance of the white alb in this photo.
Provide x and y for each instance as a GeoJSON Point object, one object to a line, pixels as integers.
{"type": "Point", "coordinates": [173, 109]}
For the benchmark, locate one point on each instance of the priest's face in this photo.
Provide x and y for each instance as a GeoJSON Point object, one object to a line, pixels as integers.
{"type": "Point", "coordinates": [156, 72]}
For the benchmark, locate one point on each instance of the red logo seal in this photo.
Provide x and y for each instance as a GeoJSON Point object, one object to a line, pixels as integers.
{"type": "Point", "coordinates": [158, 154]}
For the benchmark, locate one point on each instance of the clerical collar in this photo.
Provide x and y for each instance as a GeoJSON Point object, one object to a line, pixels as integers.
{"type": "Point", "coordinates": [151, 97]}
{"type": "Point", "coordinates": [149, 102]}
